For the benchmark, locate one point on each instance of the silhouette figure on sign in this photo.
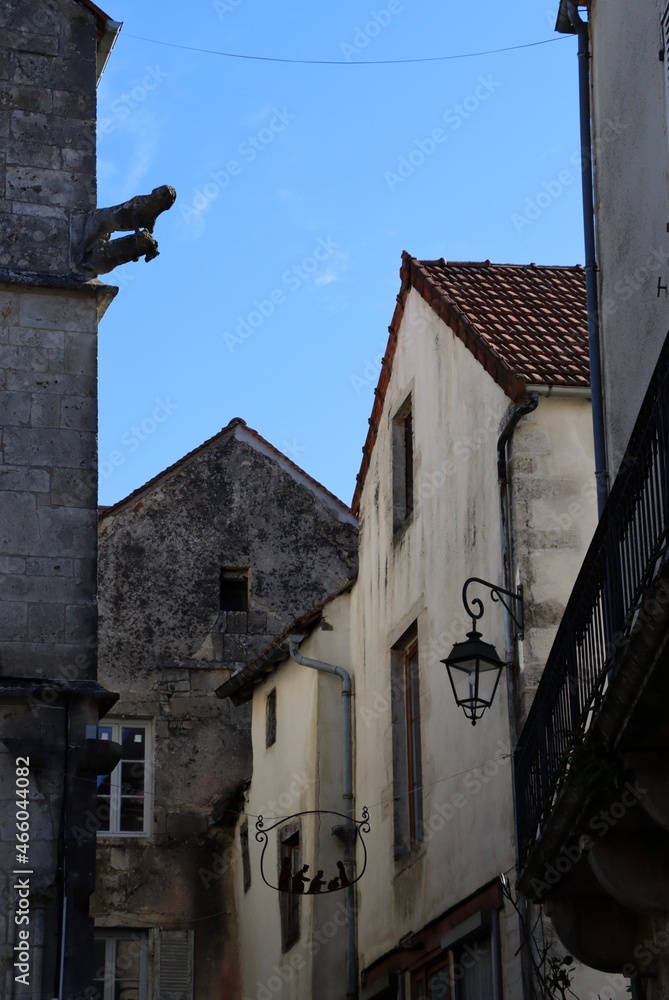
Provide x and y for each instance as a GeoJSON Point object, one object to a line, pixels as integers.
{"type": "Point", "coordinates": [285, 876]}
{"type": "Point", "coordinates": [300, 879]}
{"type": "Point", "coordinates": [317, 883]}
{"type": "Point", "coordinates": [343, 877]}
{"type": "Point", "coordinates": [333, 884]}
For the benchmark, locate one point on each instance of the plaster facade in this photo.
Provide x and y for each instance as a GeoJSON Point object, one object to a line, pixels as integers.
{"type": "Point", "coordinates": [235, 505]}
{"type": "Point", "coordinates": [428, 902]}
{"type": "Point", "coordinates": [301, 772]}
{"type": "Point", "coordinates": [629, 114]}
{"type": "Point", "coordinates": [415, 575]}
{"type": "Point", "coordinates": [610, 904]}
{"type": "Point", "coordinates": [553, 516]}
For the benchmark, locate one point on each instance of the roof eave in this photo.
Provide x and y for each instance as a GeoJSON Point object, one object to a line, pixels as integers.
{"type": "Point", "coordinates": [107, 33]}
{"type": "Point", "coordinates": [106, 41]}
{"type": "Point", "coordinates": [413, 276]}
{"type": "Point", "coordinates": [563, 23]}
{"type": "Point", "coordinates": [251, 437]}
{"type": "Point", "coordinates": [240, 686]}
{"type": "Point", "coordinates": [509, 381]}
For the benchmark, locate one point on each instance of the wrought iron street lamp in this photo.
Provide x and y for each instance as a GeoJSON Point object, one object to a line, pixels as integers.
{"type": "Point", "coordinates": [474, 667]}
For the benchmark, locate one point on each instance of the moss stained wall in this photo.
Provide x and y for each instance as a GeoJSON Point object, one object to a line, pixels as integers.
{"type": "Point", "coordinates": [165, 645]}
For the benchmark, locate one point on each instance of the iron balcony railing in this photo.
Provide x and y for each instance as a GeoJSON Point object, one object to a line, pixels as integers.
{"type": "Point", "coordinates": [627, 552]}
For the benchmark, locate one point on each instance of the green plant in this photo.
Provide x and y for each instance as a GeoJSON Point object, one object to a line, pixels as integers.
{"type": "Point", "coordinates": [552, 974]}
{"type": "Point", "coordinates": [592, 763]}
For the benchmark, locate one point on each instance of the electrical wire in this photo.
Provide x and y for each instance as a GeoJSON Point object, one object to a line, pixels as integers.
{"type": "Point", "coordinates": [342, 62]}
{"type": "Point", "coordinates": [449, 777]}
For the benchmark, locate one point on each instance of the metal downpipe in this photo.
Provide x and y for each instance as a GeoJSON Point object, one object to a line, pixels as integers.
{"type": "Point", "coordinates": [505, 533]}
{"type": "Point", "coordinates": [347, 796]}
{"type": "Point", "coordinates": [601, 467]}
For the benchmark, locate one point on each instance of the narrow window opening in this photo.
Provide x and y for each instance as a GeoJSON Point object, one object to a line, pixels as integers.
{"type": "Point", "coordinates": [403, 464]}
{"type": "Point", "coordinates": [291, 859]}
{"type": "Point", "coordinates": [408, 463]}
{"type": "Point", "coordinates": [234, 590]}
{"type": "Point", "coordinates": [414, 764]}
{"type": "Point", "coordinates": [406, 737]}
{"type": "Point", "coordinates": [246, 860]}
{"type": "Point", "coordinates": [270, 719]}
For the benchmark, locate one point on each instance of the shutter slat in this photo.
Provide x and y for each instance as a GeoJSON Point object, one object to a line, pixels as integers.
{"type": "Point", "coordinates": [175, 974]}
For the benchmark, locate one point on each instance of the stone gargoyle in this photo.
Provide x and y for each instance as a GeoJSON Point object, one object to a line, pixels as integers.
{"type": "Point", "coordinates": [101, 254]}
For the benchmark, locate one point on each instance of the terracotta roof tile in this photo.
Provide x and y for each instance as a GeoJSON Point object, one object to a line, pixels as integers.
{"type": "Point", "coordinates": [527, 324]}
{"type": "Point", "coordinates": [534, 318]}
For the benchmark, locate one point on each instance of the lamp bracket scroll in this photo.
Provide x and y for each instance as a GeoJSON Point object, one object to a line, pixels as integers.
{"type": "Point", "coordinates": [505, 597]}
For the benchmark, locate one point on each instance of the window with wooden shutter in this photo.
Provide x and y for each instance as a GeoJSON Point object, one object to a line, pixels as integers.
{"type": "Point", "coordinates": [406, 739]}
{"type": "Point", "coordinates": [175, 965]}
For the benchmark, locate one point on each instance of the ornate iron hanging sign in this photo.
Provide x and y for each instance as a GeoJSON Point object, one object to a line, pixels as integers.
{"type": "Point", "coordinates": [298, 882]}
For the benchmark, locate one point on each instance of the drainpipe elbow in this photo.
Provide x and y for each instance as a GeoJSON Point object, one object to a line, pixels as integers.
{"type": "Point", "coordinates": [507, 432]}
{"type": "Point", "coordinates": [577, 21]}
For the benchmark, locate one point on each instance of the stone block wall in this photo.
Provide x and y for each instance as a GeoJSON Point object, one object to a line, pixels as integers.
{"type": "Point", "coordinates": [48, 488]}
{"type": "Point", "coordinates": [47, 130]}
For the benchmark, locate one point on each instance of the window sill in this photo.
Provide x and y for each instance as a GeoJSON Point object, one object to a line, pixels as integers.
{"type": "Point", "coordinates": [409, 859]}
{"type": "Point", "coordinates": [121, 838]}
{"type": "Point", "coordinates": [401, 529]}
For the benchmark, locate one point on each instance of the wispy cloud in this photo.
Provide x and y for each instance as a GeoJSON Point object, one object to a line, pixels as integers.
{"type": "Point", "coordinates": [141, 137]}
{"type": "Point", "coordinates": [327, 278]}
{"type": "Point", "coordinates": [146, 132]}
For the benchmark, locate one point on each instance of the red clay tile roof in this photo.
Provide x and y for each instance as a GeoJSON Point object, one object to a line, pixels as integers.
{"type": "Point", "coordinates": [103, 511]}
{"type": "Point", "coordinates": [526, 324]}
{"type": "Point", "coordinates": [533, 318]}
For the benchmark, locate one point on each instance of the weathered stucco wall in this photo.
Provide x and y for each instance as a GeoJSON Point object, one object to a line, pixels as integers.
{"type": "Point", "coordinates": [632, 192]}
{"type": "Point", "coordinates": [166, 646]}
{"type": "Point", "coordinates": [416, 575]}
{"type": "Point", "coordinates": [301, 771]}
{"type": "Point", "coordinates": [553, 516]}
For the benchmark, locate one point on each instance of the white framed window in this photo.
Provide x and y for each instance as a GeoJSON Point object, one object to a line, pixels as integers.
{"type": "Point", "coordinates": [464, 969]}
{"type": "Point", "coordinates": [140, 965]}
{"type": "Point", "coordinates": [121, 965]}
{"type": "Point", "coordinates": [124, 796]}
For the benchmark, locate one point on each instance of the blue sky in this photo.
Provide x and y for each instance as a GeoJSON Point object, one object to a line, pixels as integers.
{"type": "Point", "coordinates": [298, 188]}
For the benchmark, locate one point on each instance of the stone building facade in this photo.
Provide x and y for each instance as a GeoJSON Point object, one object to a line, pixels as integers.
{"type": "Point", "coordinates": [50, 700]}
{"type": "Point", "coordinates": [478, 462]}
{"type": "Point", "coordinates": [199, 571]}
{"type": "Point", "coordinates": [605, 686]}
